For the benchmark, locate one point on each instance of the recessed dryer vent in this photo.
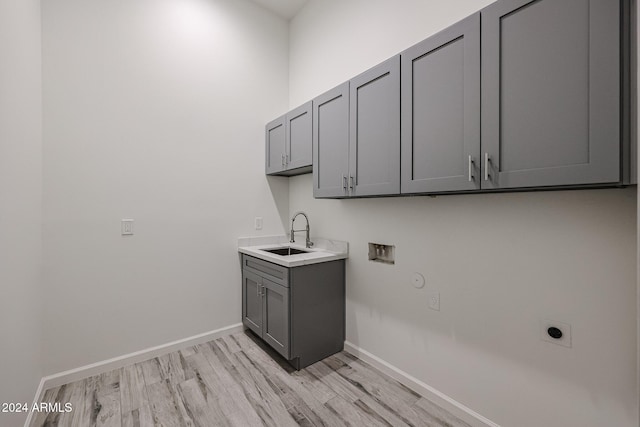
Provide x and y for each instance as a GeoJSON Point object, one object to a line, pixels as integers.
{"type": "Point", "coordinates": [379, 252]}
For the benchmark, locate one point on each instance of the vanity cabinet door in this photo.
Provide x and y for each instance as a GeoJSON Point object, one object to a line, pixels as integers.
{"type": "Point", "coordinates": [276, 316]}
{"type": "Point", "coordinates": [252, 301]}
{"type": "Point", "coordinates": [441, 111]}
{"type": "Point", "coordinates": [331, 143]}
{"type": "Point", "coordinates": [551, 93]}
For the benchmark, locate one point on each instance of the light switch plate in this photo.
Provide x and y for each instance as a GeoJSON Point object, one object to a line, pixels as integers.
{"type": "Point", "coordinates": [258, 223]}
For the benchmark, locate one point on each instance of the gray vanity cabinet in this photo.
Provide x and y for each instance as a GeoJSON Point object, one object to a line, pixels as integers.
{"type": "Point", "coordinates": [441, 111]}
{"type": "Point", "coordinates": [298, 311]}
{"type": "Point", "coordinates": [551, 109]}
{"type": "Point", "coordinates": [331, 143]}
{"type": "Point", "coordinates": [265, 310]}
{"type": "Point", "coordinates": [288, 143]}
{"type": "Point", "coordinates": [265, 302]}
{"type": "Point", "coordinates": [374, 125]}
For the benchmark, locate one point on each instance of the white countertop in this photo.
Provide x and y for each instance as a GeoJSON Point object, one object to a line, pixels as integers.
{"type": "Point", "coordinates": [323, 250]}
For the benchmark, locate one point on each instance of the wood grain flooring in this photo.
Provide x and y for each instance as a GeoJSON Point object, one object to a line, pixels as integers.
{"type": "Point", "coordinates": [238, 381]}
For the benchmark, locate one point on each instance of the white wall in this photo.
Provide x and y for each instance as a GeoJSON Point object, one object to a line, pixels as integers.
{"type": "Point", "coordinates": [20, 203]}
{"type": "Point", "coordinates": [153, 110]}
{"type": "Point", "coordinates": [501, 262]}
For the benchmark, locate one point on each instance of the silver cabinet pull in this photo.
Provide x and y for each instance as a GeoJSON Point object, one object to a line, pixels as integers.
{"type": "Point", "coordinates": [470, 169]}
{"type": "Point", "coordinates": [283, 160]}
{"type": "Point", "coordinates": [286, 159]}
{"type": "Point", "coordinates": [344, 182]}
{"type": "Point", "coordinates": [486, 166]}
{"type": "Point", "coordinates": [351, 182]}
{"type": "Point", "coordinates": [258, 289]}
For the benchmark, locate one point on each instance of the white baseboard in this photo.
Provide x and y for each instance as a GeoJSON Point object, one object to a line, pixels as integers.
{"type": "Point", "coordinates": [36, 399]}
{"type": "Point", "coordinates": [456, 408]}
{"type": "Point", "coordinates": [98, 368]}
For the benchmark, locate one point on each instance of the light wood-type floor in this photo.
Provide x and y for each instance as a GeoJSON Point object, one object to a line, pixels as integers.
{"type": "Point", "coordinates": [238, 381]}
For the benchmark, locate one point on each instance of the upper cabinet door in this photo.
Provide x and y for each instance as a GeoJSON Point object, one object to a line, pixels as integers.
{"type": "Point", "coordinates": [331, 143]}
{"type": "Point", "coordinates": [374, 155]}
{"type": "Point", "coordinates": [441, 111]}
{"type": "Point", "coordinates": [298, 142]}
{"type": "Point", "coordinates": [275, 146]}
{"type": "Point", "coordinates": [550, 93]}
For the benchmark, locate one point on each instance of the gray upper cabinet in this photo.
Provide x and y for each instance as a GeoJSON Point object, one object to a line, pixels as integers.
{"type": "Point", "coordinates": [374, 123]}
{"type": "Point", "coordinates": [288, 143]}
{"type": "Point", "coordinates": [441, 111]}
{"type": "Point", "coordinates": [331, 143]}
{"type": "Point", "coordinates": [525, 94]}
{"type": "Point", "coordinates": [275, 137]}
{"type": "Point", "coordinates": [356, 135]}
{"type": "Point", "coordinates": [551, 93]}
{"type": "Point", "coordinates": [298, 138]}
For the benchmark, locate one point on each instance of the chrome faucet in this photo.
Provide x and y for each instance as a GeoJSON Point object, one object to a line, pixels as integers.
{"type": "Point", "coordinates": [309, 243]}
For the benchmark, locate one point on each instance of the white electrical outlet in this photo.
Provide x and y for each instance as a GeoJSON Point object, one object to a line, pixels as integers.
{"type": "Point", "coordinates": [126, 227]}
{"type": "Point", "coordinates": [552, 335]}
{"type": "Point", "coordinates": [258, 223]}
{"type": "Point", "coordinates": [434, 300]}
